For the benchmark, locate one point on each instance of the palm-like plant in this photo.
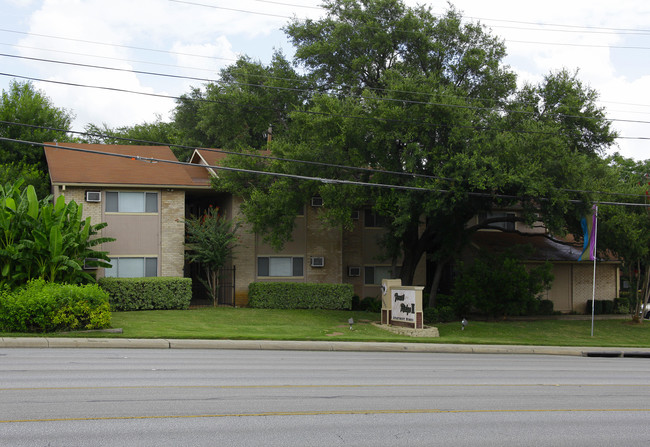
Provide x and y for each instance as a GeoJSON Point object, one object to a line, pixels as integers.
{"type": "Point", "coordinates": [41, 239]}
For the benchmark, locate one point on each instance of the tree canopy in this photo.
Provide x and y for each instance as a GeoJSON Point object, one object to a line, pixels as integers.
{"type": "Point", "coordinates": [39, 119]}
{"type": "Point", "coordinates": [424, 104]}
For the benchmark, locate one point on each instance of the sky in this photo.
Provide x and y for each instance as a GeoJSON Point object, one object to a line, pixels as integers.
{"type": "Point", "coordinates": [607, 42]}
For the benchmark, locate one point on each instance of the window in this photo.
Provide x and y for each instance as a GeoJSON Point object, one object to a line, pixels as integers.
{"type": "Point", "coordinates": [508, 226]}
{"type": "Point", "coordinates": [371, 219]}
{"type": "Point", "coordinates": [279, 266]}
{"type": "Point", "coordinates": [131, 202]}
{"type": "Point", "coordinates": [132, 268]}
{"type": "Point", "coordinates": [374, 274]}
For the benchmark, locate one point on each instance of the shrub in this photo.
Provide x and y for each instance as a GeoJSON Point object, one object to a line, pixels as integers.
{"type": "Point", "coordinates": [441, 314]}
{"type": "Point", "coordinates": [288, 295]}
{"type": "Point", "coordinates": [608, 306]}
{"type": "Point", "coordinates": [356, 302]}
{"type": "Point", "coordinates": [157, 293]}
{"type": "Point", "coordinates": [622, 305]}
{"type": "Point", "coordinates": [498, 284]}
{"type": "Point", "coordinates": [370, 304]}
{"type": "Point", "coordinates": [601, 307]}
{"type": "Point", "coordinates": [546, 307]}
{"type": "Point", "coordinates": [48, 307]}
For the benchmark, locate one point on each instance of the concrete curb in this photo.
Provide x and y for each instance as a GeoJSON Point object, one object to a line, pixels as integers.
{"type": "Point", "coordinates": [129, 343]}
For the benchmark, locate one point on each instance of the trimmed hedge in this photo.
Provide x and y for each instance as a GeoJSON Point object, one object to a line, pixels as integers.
{"type": "Point", "coordinates": [47, 307]}
{"type": "Point", "coordinates": [156, 293]}
{"type": "Point", "coordinates": [601, 307]}
{"type": "Point", "coordinates": [291, 295]}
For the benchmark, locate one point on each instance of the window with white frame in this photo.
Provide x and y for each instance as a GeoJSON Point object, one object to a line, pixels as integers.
{"type": "Point", "coordinates": [131, 202]}
{"type": "Point", "coordinates": [280, 266]}
{"type": "Point", "coordinates": [373, 274]}
{"type": "Point", "coordinates": [132, 267]}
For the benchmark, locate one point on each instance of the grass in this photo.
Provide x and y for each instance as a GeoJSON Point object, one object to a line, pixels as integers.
{"type": "Point", "coordinates": [265, 324]}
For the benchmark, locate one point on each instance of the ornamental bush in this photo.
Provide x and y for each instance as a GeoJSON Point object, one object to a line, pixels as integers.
{"type": "Point", "coordinates": [159, 293]}
{"type": "Point", "coordinates": [289, 295]}
{"type": "Point", "coordinates": [47, 307]}
{"type": "Point", "coordinates": [499, 284]}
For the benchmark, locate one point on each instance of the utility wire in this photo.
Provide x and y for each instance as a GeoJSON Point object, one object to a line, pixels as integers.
{"type": "Point", "coordinates": [302, 177]}
{"type": "Point", "coordinates": [242, 154]}
{"type": "Point", "coordinates": [184, 54]}
{"type": "Point", "coordinates": [610, 31]}
{"type": "Point", "coordinates": [297, 110]}
{"type": "Point", "coordinates": [307, 162]}
{"type": "Point", "coordinates": [304, 90]}
{"type": "Point", "coordinates": [298, 80]}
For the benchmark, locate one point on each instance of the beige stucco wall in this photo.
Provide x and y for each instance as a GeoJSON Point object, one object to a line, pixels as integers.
{"type": "Point", "coordinates": [159, 235]}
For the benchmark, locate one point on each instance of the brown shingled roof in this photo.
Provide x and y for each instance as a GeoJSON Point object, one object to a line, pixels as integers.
{"type": "Point", "coordinates": [83, 168]}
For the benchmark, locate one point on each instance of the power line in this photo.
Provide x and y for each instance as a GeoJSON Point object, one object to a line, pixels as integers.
{"type": "Point", "coordinates": [243, 154]}
{"type": "Point", "coordinates": [230, 59]}
{"type": "Point", "coordinates": [295, 89]}
{"type": "Point", "coordinates": [296, 110]}
{"type": "Point", "coordinates": [307, 162]}
{"type": "Point", "coordinates": [605, 30]}
{"type": "Point", "coordinates": [231, 9]}
{"type": "Point", "coordinates": [267, 76]}
{"type": "Point", "coordinates": [302, 177]}
{"type": "Point", "coordinates": [94, 42]}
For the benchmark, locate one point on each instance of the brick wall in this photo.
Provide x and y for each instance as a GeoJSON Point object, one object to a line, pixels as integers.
{"type": "Point", "coordinates": [606, 283]}
{"type": "Point", "coordinates": [172, 244]}
{"type": "Point", "coordinates": [244, 256]}
{"type": "Point", "coordinates": [322, 241]}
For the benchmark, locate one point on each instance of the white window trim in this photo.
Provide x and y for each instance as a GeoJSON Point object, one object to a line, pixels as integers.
{"type": "Point", "coordinates": [143, 257]}
{"type": "Point", "coordinates": [133, 213]}
{"type": "Point", "coordinates": [290, 256]}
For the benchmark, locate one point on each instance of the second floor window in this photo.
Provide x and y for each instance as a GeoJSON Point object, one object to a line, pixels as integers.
{"type": "Point", "coordinates": [131, 202]}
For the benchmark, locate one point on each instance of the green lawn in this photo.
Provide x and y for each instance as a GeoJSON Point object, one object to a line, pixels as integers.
{"type": "Point", "coordinates": [263, 324]}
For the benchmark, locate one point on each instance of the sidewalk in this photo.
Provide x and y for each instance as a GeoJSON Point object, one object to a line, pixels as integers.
{"type": "Point", "coordinates": [121, 343]}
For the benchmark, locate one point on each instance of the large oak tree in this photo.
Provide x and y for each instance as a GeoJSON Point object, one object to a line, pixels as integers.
{"type": "Point", "coordinates": [425, 104]}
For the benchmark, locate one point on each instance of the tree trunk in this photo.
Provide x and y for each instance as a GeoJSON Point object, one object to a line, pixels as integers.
{"type": "Point", "coordinates": [645, 293]}
{"type": "Point", "coordinates": [214, 287]}
{"type": "Point", "coordinates": [414, 246]}
{"type": "Point", "coordinates": [634, 282]}
{"type": "Point", "coordinates": [437, 276]}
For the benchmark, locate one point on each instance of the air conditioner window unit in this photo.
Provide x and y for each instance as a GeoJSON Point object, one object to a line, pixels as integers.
{"type": "Point", "coordinates": [93, 196]}
{"type": "Point", "coordinates": [354, 271]}
{"type": "Point", "coordinates": [355, 215]}
{"type": "Point", "coordinates": [318, 261]}
{"type": "Point", "coordinates": [316, 201]}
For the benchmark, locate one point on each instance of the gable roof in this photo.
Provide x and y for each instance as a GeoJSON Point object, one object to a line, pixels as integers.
{"type": "Point", "coordinates": [72, 167]}
{"type": "Point", "coordinates": [207, 157]}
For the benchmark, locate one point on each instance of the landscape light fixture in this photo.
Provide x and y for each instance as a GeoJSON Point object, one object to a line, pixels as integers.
{"type": "Point", "coordinates": [463, 323]}
{"type": "Point", "coordinates": [350, 322]}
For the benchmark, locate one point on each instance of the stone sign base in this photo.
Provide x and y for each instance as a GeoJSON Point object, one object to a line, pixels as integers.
{"type": "Point", "coordinates": [426, 331]}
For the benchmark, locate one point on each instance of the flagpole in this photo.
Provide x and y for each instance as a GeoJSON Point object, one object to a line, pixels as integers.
{"type": "Point", "coordinates": [593, 281]}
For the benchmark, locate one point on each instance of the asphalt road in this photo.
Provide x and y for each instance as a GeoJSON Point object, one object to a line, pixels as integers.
{"type": "Point", "coordinates": [159, 397]}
